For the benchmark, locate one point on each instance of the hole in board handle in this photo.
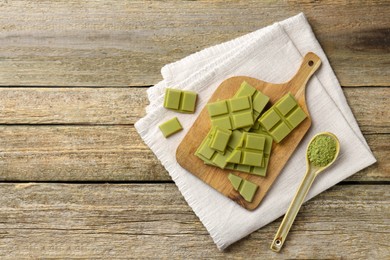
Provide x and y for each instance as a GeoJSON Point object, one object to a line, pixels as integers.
{"type": "Point", "coordinates": [311, 63]}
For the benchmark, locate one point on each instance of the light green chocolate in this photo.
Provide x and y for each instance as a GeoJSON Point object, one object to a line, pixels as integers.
{"type": "Point", "coordinates": [204, 151]}
{"type": "Point", "coordinates": [269, 119]}
{"type": "Point", "coordinates": [296, 117]}
{"type": "Point", "coordinates": [262, 170]}
{"type": "Point", "coordinates": [259, 100]}
{"type": "Point", "coordinates": [235, 180]}
{"type": "Point", "coordinates": [188, 101]}
{"type": "Point", "coordinates": [231, 114]}
{"type": "Point", "coordinates": [280, 132]}
{"type": "Point", "coordinates": [180, 100]}
{"type": "Point", "coordinates": [220, 139]}
{"type": "Point", "coordinates": [170, 127]}
{"type": "Point", "coordinates": [286, 104]}
{"type": "Point", "coordinates": [246, 188]}
{"type": "Point", "coordinates": [282, 117]}
{"type": "Point", "coordinates": [213, 157]}
{"type": "Point", "coordinates": [228, 115]}
{"type": "Point", "coordinates": [209, 155]}
{"type": "Point", "coordinates": [172, 99]}
{"type": "Point", "coordinates": [249, 151]}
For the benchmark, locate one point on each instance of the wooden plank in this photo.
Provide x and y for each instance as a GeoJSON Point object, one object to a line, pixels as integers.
{"type": "Point", "coordinates": [126, 106]}
{"type": "Point", "coordinates": [72, 105]}
{"type": "Point", "coordinates": [380, 171]}
{"type": "Point", "coordinates": [121, 43]}
{"type": "Point", "coordinates": [109, 153]}
{"type": "Point", "coordinates": [150, 221]}
{"type": "Point", "coordinates": [372, 118]}
{"type": "Point", "coordinates": [59, 153]}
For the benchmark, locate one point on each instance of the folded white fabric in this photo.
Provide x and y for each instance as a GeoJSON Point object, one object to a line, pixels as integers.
{"type": "Point", "coordinates": [271, 54]}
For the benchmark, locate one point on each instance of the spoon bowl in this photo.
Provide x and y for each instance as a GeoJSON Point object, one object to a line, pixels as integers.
{"type": "Point", "coordinates": [312, 170]}
{"type": "Point", "coordinates": [317, 169]}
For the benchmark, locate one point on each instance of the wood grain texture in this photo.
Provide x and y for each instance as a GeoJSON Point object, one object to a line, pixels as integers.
{"type": "Point", "coordinates": [372, 118]}
{"type": "Point", "coordinates": [110, 153]}
{"type": "Point", "coordinates": [280, 153]}
{"type": "Point", "coordinates": [121, 43]}
{"type": "Point", "coordinates": [61, 153]}
{"type": "Point", "coordinates": [152, 221]}
{"type": "Point", "coordinates": [127, 105]}
{"type": "Point", "coordinates": [72, 105]}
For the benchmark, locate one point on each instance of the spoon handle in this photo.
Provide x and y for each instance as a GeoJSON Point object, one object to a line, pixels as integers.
{"type": "Point", "coordinates": [292, 211]}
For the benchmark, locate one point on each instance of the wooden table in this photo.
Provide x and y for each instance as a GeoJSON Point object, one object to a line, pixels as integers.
{"type": "Point", "coordinates": [76, 179]}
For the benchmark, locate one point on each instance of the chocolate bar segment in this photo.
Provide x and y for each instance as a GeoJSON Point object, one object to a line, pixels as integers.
{"type": "Point", "coordinates": [249, 151]}
{"type": "Point", "coordinates": [212, 156]}
{"type": "Point", "coordinates": [255, 170]}
{"type": "Point", "coordinates": [220, 139]}
{"type": "Point", "coordinates": [282, 117]}
{"type": "Point", "coordinates": [246, 188]}
{"type": "Point", "coordinates": [170, 127]}
{"type": "Point", "coordinates": [180, 100]}
{"type": "Point", "coordinates": [259, 100]}
{"type": "Point", "coordinates": [232, 113]}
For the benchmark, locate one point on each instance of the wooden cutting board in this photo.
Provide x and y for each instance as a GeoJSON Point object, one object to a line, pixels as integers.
{"type": "Point", "coordinates": [281, 152]}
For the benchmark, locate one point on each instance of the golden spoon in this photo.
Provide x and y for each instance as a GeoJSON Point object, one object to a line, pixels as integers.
{"type": "Point", "coordinates": [318, 158]}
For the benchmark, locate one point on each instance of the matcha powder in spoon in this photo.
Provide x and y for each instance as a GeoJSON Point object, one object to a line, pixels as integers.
{"type": "Point", "coordinates": [321, 150]}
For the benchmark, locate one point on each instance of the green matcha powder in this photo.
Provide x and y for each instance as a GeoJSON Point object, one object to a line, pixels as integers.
{"type": "Point", "coordinates": [322, 150]}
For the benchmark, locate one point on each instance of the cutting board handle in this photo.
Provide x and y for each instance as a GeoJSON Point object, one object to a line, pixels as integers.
{"type": "Point", "coordinates": [311, 62]}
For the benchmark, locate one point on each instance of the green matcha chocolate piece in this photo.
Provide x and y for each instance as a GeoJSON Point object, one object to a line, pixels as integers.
{"type": "Point", "coordinates": [220, 139]}
{"type": "Point", "coordinates": [172, 98]}
{"type": "Point", "coordinates": [188, 101]}
{"type": "Point", "coordinates": [268, 139]}
{"type": "Point", "coordinates": [255, 170]}
{"type": "Point", "coordinates": [246, 188]}
{"type": "Point", "coordinates": [180, 100]}
{"type": "Point", "coordinates": [170, 127]}
{"type": "Point", "coordinates": [232, 113]}
{"type": "Point", "coordinates": [249, 151]}
{"type": "Point", "coordinates": [211, 156]}
{"type": "Point", "coordinates": [235, 180]}
{"type": "Point", "coordinates": [234, 139]}
{"type": "Point", "coordinates": [259, 100]}
{"type": "Point", "coordinates": [204, 151]}
{"type": "Point", "coordinates": [282, 117]}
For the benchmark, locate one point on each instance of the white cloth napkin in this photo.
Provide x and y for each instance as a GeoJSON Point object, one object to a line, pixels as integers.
{"type": "Point", "coordinates": [272, 54]}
